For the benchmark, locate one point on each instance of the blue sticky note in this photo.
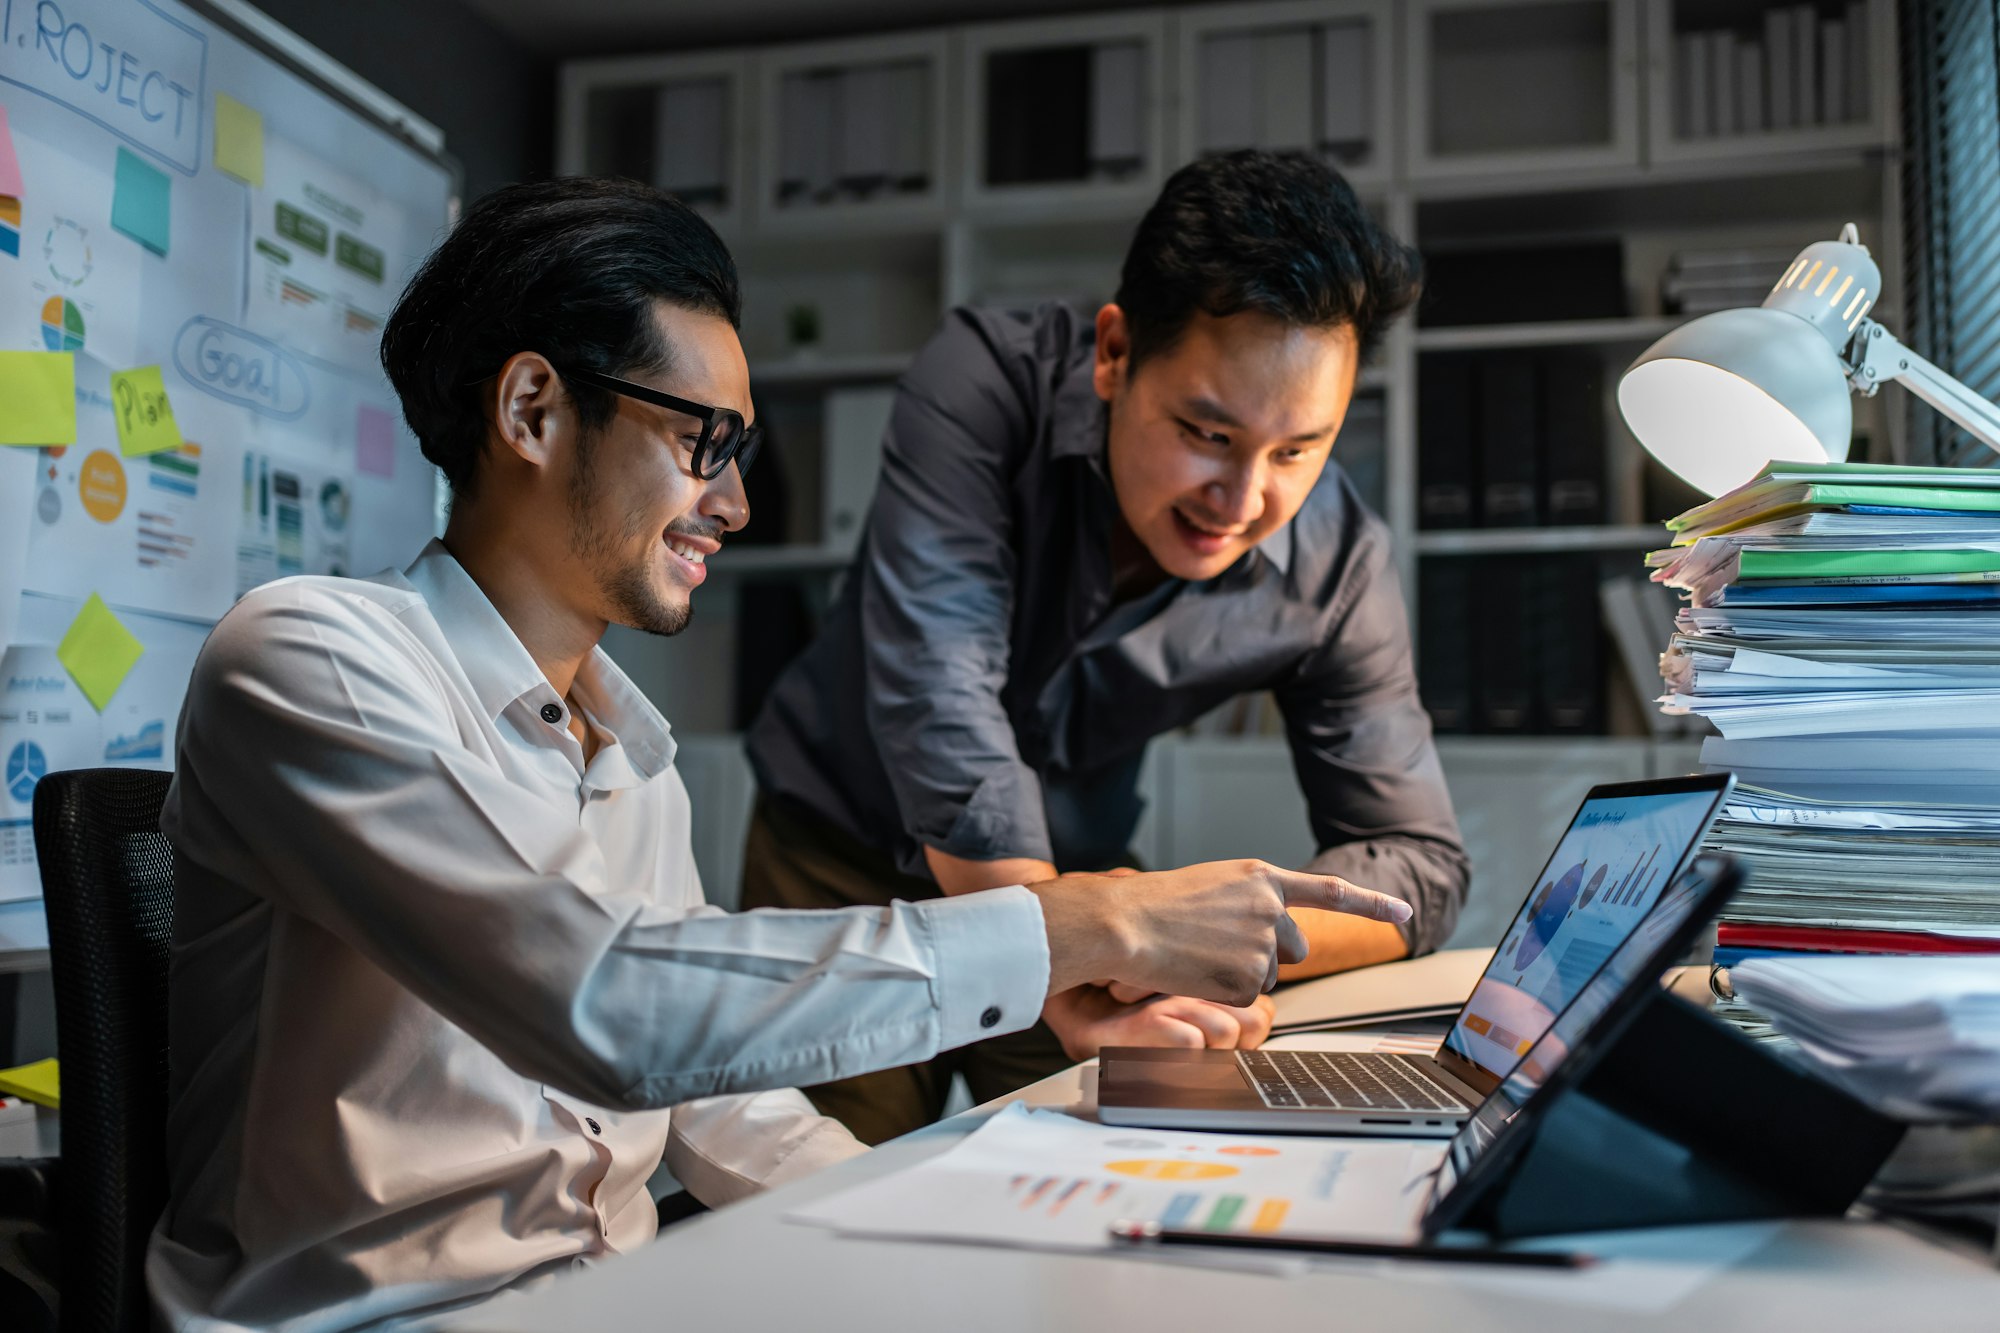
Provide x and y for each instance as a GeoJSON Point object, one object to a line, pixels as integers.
{"type": "Point", "coordinates": [142, 202]}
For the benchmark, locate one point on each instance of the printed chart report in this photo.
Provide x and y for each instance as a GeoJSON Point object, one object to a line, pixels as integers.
{"type": "Point", "coordinates": [1048, 1180]}
{"type": "Point", "coordinates": [1606, 874]}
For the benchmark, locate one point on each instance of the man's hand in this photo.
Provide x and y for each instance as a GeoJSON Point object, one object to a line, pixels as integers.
{"type": "Point", "coordinates": [1088, 1019]}
{"type": "Point", "coordinates": [1217, 931]}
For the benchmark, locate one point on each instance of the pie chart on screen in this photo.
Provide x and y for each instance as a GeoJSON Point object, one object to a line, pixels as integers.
{"type": "Point", "coordinates": [62, 325]}
{"type": "Point", "coordinates": [1551, 905]}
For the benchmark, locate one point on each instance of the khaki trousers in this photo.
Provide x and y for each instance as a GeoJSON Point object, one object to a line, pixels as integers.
{"type": "Point", "coordinates": [793, 858]}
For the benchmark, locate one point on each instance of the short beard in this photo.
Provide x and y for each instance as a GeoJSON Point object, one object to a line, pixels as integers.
{"type": "Point", "coordinates": [626, 587]}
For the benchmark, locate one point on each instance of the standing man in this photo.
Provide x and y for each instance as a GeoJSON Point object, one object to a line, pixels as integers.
{"type": "Point", "coordinates": [1087, 534]}
{"type": "Point", "coordinates": [444, 991]}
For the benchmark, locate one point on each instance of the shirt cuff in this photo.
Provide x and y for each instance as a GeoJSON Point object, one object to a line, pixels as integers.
{"type": "Point", "coordinates": [992, 962]}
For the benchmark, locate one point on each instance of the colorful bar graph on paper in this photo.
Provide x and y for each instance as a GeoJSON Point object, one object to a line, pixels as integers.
{"type": "Point", "coordinates": [1271, 1215]}
{"type": "Point", "coordinates": [1179, 1209]}
{"type": "Point", "coordinates": [1223, 1216]}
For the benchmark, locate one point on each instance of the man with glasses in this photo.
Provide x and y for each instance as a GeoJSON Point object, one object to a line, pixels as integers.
{"type": "Point", "coordinates": [444, 992]}
{"type": "Point", "coordinates": [1088, 532]}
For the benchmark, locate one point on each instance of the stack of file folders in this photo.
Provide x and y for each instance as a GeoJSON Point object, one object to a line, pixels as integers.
{"type": "Point", "coordinates": [1842, 633]}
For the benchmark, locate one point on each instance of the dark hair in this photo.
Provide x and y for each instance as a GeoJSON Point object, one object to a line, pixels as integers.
{"type": "Point", "coordinates": [569, 268]}
{"type": "Point", "coordinates": [1278, 233]}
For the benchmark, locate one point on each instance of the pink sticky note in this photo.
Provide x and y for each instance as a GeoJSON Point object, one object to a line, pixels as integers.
{"type": "Point", "coordinates": [10, 166]}
{"type": "Point", "coordinates": [374, 442]}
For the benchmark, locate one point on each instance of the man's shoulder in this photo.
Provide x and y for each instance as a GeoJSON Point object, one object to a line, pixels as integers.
{"type": "Point", "coordinates": [360, 613]}
{"type": "Point", "coordinates": [980, 348]}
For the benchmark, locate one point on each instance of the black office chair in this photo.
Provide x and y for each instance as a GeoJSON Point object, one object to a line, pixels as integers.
{"type": "Point", "coordinates": [108, 885]}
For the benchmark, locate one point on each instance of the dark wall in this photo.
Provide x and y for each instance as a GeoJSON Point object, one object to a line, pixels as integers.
{"type": "Point", "coordinates": [493, 98]}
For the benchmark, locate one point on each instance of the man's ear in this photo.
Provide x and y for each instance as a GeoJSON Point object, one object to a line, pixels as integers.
{"type": "Point", "coordinates": [1114, 353]}
{"type": "Point", "coordinates": [528, 407]}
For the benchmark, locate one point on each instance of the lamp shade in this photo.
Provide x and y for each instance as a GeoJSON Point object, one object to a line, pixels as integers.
{"type": "Point", "coordinates": [1720, 396]}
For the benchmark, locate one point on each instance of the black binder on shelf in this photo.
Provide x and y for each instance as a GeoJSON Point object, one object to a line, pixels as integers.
{"type": "Point", "coordinates": [1571, 679]}
{"type": "Point", "coordinates": [1501, 653]}
{"type": "Point", "coordinates": [1445, 477]}
{"type": "Point", "coordinates": [1444, 666]}
{"type": "Point", "coordinates": [1509, 435]}
{"type": "Point", "coordinates": [1572, 422]}
{"type": "Point", "coordinates": [1038, 115]}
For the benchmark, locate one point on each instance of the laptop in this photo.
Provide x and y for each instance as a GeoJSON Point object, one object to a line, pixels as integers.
{"type": "Point", "coordinates": [1626, 843]}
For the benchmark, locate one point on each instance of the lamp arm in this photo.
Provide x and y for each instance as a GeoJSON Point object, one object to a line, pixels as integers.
{"type": "Point", "coordinates": [1878, 358]}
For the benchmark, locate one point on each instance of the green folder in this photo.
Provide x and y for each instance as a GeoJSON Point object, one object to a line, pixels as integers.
{"type": "Point", "coordinates": [1849, 564]}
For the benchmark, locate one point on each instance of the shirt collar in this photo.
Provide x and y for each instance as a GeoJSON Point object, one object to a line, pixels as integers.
{"type": "Point", "coordinates": [501, 670]}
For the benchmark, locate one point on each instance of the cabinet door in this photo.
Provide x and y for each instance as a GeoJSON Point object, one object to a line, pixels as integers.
{"type": "Point", "coordinates": [679, 122]}
{"type": "Point", "coordinates": [1766, 77]}
{"type": "Point", "coordinates": [853, 134]}
{"type": "Point", "coordinates": [1065, 113]}
{"type": "Point", "coordinates": [1521, 86]}
{"type": "Point", "coordinates": [1314, 75]}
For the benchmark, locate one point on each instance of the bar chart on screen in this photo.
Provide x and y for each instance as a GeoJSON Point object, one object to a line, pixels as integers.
{"type": "Point", "coordinates": [1048, 1180]}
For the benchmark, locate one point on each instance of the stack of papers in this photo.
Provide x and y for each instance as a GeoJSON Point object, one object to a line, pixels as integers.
{"type": "Point", "coordinates": [1917, 1037]}
{"type": "Point", "coordinates": [1842, 633]}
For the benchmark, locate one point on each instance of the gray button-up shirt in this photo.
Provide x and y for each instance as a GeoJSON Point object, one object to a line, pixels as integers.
{"type": "Point", "coordinates": [977, 689]}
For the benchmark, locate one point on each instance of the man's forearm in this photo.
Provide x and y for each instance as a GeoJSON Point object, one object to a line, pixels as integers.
{"type": "Point", "coordinates": [955, 874]}
{"type": "Point", "coordinates": [1341, 942]}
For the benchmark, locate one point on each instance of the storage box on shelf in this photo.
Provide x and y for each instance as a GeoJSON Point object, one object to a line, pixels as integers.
{"type": "Point", "coordinates": [680, 122]}
{"type": "Point", "coordinates": [1315, 75]}
{"type": "Point", "coordinates": [1065, 113]}
{"type": "Point", "coordinates": [854, 132]}
{"type": "Point", "coordinates": [1502, 86]}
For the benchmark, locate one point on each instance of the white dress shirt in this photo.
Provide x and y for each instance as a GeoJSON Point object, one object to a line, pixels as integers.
{"type": "Point", "coordinates": [444, 994]}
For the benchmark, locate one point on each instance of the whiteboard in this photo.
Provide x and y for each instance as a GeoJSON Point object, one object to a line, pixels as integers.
{"type": "Point", "coordinates": [142, 236]}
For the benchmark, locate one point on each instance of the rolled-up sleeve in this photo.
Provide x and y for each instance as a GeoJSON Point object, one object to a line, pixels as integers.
{"type": "Point", "coordinates": [937, 600]}
{"type": "Point", "coordinates": [349, 789]}
{"type": "Point", "coordinates": [1361, 744]}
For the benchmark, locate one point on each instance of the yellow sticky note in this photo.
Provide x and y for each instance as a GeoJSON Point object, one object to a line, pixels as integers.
{"type": "Point", "coordinates": [145, 418]}
{"type": "Point", "coordinates": [36, 1082]}
{"type": "Point", "coordinates": [39, 389]}
{"type": "Point", "coordinates": [98, 652]}
{"type": "Point", "coordinates": [239, 140]}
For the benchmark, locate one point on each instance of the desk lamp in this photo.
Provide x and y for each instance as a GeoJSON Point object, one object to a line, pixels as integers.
{"type": "Point", "coordinates": [1719, 396]}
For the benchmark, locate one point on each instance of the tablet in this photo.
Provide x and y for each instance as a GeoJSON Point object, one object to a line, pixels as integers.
{"type": "Point", "coordinates": [1477, 1157]}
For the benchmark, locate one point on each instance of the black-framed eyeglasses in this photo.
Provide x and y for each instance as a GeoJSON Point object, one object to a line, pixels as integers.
{"type": "Point", "coordinates": [723, 435]}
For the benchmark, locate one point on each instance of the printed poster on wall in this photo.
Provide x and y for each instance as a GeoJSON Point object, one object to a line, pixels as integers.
{"type": "Point", "coordinates": [320, 277]}
{"type": "Point", "coordinates": [74, 287]}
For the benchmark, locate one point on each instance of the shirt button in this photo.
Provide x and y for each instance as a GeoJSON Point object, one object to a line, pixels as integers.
{"type": "Point", "coordinates": [991, 1018]}
{"type": "Point", "coordinates": [595, 1128]}
{"type": "Point", "coordinates": [551, 714]}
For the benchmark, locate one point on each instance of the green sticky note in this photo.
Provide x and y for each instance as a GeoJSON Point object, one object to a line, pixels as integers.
{"type": "Point", "coordinates": [98, 652]}
{"type": "Point", "coordinates": [145, 418]}
{"type": "Point", "coordinates": [142, 199]}
{"type": "Point", "coordinates": [239, 140]}
{"type": "Point", "coordinates": [39, 389]}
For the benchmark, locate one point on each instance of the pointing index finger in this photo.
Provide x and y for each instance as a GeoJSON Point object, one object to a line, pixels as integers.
{"type": "Point", "coordinates": [1330, 893]}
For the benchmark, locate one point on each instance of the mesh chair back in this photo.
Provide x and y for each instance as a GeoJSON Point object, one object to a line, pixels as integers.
{"type": "Point", "coordinates": [108, 883]}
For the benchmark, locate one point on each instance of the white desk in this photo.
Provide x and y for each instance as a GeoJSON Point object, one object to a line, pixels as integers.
{"type": "Point", "coordinates": [745, 1267]}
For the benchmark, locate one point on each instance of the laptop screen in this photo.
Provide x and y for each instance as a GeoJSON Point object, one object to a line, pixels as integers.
{"type": "Point", "coordinates": [1609, 869]}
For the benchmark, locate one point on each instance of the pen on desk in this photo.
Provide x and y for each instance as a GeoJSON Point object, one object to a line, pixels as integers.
{"type": "Point", "coordinates": [1152, 1233]}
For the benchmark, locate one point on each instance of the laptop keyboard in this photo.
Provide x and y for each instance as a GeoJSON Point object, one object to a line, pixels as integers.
{"type": "Point", "coordinates": [1295, 1080]}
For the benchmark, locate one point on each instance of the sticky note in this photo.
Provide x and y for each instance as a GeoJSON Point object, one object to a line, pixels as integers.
{"type": "Point", "coordinates": [39, 389]}
{"type": "Point", "coordinates": [142, 199]}
{"type": "Point", "coordinates": [38, 1083]}
{"type": "Point", "coordinates": [98, 652]}
{"type": "Point", "coordinates": [145, 418]}
{"type": "Point", "coordinates": [374, 442]}
{"type": "Point", "coordinates": [239, 140]}
{"type": "Point", "coordinates": [10, 165]}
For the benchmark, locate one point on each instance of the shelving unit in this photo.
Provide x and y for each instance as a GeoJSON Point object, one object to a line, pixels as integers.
{"type": "Point", "coordinates": [1490, 124]}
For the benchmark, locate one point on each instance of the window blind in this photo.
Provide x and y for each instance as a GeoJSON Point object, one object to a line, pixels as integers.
{"type": "Point", "coordinates": [1951, 194]}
